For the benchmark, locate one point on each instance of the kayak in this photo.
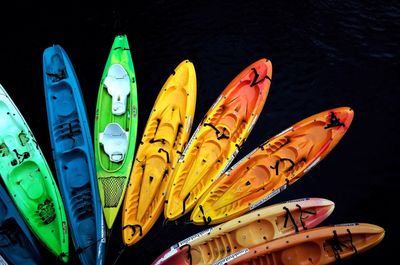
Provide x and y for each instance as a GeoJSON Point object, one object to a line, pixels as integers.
{"type": "Point", "coordinates": [218, 138]}
{"type": "Point", "coordinates": [248, 231]}
{"type": "Point", "coordinates": [17, 245]}
{"type": "Point", "coordinates": [272, 167]}
{"type": "Point", "coordinates": [73, 155]}
{"type": "Point", "coordinates": [164, 138]}
{"type": "Point", "coordinates": [115, 127]}
{"type": "Point", "coordinates": [29, 180]}
{"type": "Point", "coordinates": [318, 246]}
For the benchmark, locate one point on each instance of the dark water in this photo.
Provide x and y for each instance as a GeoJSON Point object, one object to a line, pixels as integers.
{"type": "Point", "coordinates": [325, 54]}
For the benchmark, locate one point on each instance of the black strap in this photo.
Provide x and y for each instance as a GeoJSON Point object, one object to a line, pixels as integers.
{"type": "Point", "coordinates": [282, 160]}
{"type": "Point", "coordinates": [256, 75]}
{"type": "Point", "coordinates": [165, 151]}
{"type": "Point", "coordinates": [121, 48]}
{"type": "Point", "coordinates": [24, 155]}
{"type": "Point", "coordinates": [16, 153]}
{"type": "Point", "coordinates": [152, 141]}
{"type": "Point", "coordinates": [217, 132]}
{"type": "Point", "coordinates": [276, 167]}
{"type": "Point", "coordinates": [301, 215]}
{"type": "Point", "coordinates": [337, 245]}
{"type": "Point", "coordinates": [351, 242]}
{"type": "Point", "coordinates": [180, 126]}
{"type": "Point", "coordinates": [133, 227]}
{"type": "Point", "coordinates": [189, 254]}
{"type": "Point", "coordinates": [334, 121]}
{"type": "Point", "coordinates": [155, 132]}
{"type": "Point", "coordinates": [206, 220]}
{"type": "Point", "coordinates": [223, 136]}
{"type": "Point", "coordinates": [184, 203]}
{"type": "Point", "coordinates": [165, 173]}
{"type": "Point", "coordinates": [287, 216]}
{"type": "Point", "coordinates": [36, 144]}
{"type": "Point", "coordinates": [57, 76]}
{"type": "Point", "coordinates": [291, 162]}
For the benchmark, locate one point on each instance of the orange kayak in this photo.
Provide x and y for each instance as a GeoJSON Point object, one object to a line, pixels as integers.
{"type": "Point", "coordinates": [273, 166]}
{"type": "Point", "coordinates": [164, 137]}
{"type": "Point", "coordinates": [248, 231]}
{"type": "Point", "coordinates": [218, 138]}
{"type": "Point", "coordinates": [318, 246]}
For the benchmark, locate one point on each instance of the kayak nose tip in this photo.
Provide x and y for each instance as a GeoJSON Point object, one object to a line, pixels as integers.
{"type": "Point", "coordinates": [63, 257]}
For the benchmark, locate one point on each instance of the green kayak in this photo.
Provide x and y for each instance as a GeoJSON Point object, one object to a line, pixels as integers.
{"type": "Point", "coordinates": [29, 180]}
{"type": "Point", "coordinates": [115, 127]}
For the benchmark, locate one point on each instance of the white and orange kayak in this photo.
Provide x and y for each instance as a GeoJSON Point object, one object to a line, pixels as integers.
{"type": "Point", "coordinates": [248, 231]}
{"type": "Point", "coordinates": [218, 138]}
{"type": "Point", "coordinates": [318, 246]}
{"type": "Point", "coordinates": [164, 138]}
{"type": "Point", "coordinates": [272, 167]}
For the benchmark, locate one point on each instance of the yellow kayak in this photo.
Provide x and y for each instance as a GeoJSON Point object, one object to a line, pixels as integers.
{"type": "Point", "coordinates": [218, 138]}
{"type": "Point", "coordinates": [164, 138]}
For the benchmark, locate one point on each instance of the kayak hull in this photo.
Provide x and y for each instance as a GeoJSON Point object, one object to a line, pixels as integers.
{"type": "Point", "coordinates": [23, 250]}
{"type": "Point", "coordinates": [113, 176]}
{"type": "Point", "coordinates": [29, 180]}
{"type": "Point", "coordinates": [273, 166]}
{"type": "Point", "coordinates": [73, 155]}
{"type": "Point", "coordinates": [164, 138]}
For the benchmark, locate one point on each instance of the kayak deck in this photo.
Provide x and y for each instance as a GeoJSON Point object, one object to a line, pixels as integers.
{"type": "Point", "coordinates": [164, 138]}
{"type": "Point", "coordinates": [112, 175]}
{"type": "Point", "coordinates": [73, 155]}
{"type": "Point", "coordinates": [324, 245]}
{"type": "Point", "coordinates": [271, 167]}
{"type": "Point", "coordinates": [30, 181]}
{"type": "Point", "coordinates": [218, 138]}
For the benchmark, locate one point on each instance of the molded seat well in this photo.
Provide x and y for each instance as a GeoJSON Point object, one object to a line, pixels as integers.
{"type": "Point", "coordinates": [118, 86]}
{"type": "Point", "coordinates": [115, 142]}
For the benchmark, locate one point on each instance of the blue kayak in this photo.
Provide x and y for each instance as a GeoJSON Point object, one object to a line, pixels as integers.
{"type": "Point", "coordinates": [73, 155]}
{"type": "Point", "coordinates": [17, 245]}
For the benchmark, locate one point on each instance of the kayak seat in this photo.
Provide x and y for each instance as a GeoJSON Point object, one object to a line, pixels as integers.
{"type": "Point", "coordinates": [118, 86]}
{"type": "Point", "coordinates": [33, 185]}
{"type": "Point", "coordinates": [115, 142]}
{"type": "Point", "coordinates": [28, 181]}
{"type": "Point", "coordinates": [75, 168]}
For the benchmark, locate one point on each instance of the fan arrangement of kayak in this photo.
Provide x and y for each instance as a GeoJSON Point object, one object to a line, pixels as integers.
{"type": "Point", "coordinates": [169, 173]}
